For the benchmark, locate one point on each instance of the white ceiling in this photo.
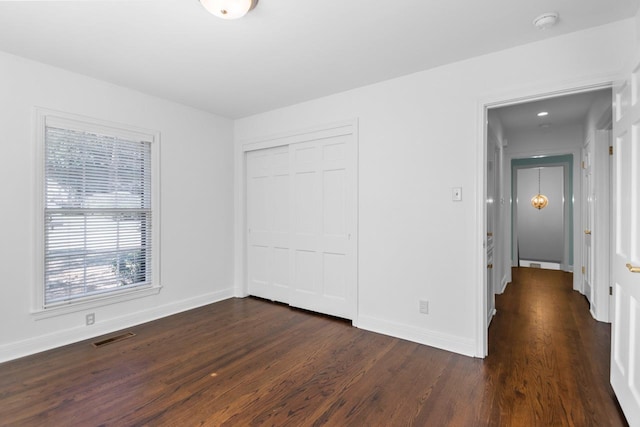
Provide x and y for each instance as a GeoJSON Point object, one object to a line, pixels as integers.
{"type": "Point", "coordinates": [281, 53]}
{"type": "Point", "coordinates": [563, 110]}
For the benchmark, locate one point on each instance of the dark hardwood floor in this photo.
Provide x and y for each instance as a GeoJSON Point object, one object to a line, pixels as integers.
{"type": "Point", "coordinates": [246, 362]}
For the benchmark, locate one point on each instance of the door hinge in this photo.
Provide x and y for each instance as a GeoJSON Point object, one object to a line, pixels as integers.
{"type": "Point", "coordinates": [611, 150]}
{"type": "Point", "coordinates": [583, 269]}
{"type": "Point", "coordinates": [583, 165]}
{"type": "Point", "coordinates": [610, 290]}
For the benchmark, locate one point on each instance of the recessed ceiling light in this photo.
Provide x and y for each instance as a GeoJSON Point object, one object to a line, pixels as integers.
{"type": "Point", "coordinates": [543, 113]}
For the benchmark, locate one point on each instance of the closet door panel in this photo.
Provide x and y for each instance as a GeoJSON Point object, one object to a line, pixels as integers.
{"type": "Point", "coordinates": [301, 215]}
{"type": "Point", "coordinates": [268, 219]}
{"type": "Point", "coordinates": [320, 239]}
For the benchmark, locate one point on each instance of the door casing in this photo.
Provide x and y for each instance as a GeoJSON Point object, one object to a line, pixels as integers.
{"type": "Point", "coordinates": [586, 84]}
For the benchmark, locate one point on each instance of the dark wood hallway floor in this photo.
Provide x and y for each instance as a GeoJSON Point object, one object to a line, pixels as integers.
{"type": "Point", "coordinates": [245, 362]}
{"type": "Point", "coordinates": [552, 356]}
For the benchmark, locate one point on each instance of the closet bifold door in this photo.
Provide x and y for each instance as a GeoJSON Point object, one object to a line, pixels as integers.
{"type": "Point", "coordinates": [268, 223]}
{"type": "Point", "coordinates": [301, 213]}
{"type": "Point", "coordinates": [323, 255]}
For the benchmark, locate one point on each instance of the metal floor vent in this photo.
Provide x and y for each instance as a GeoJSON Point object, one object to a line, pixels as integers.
{"type": "Point", "coordinates": [113, 339]}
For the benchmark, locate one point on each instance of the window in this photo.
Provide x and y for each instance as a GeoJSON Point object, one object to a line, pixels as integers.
{"type": "Point", "coordinates": [98, 217]}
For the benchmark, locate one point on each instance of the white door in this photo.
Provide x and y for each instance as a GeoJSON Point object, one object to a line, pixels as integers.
{"type": "Point", "coordinates": [625, 346]}
{"type": "Point", "coordinates": [268, 246]}
{"type": "Point", "coordinates": [323, 263]}
{"type": "Point", "coordinates": [301, 216]}
{"type": "Point", "coordinates": [601, 225]}
{"type": "Point", "coordinates": [587, 201]}
{"type": "Point", "coordinates": [491, 220]}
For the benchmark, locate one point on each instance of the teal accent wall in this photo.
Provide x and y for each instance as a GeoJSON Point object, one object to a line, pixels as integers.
{"type": "Point", "coordinates": [533, 162]}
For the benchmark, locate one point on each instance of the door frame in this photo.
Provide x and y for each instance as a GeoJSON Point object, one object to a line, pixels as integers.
{"type": "Point", "coordinates": [516, 96]}
{"type": "Point", "coordinates": [546, 159]}
{"type": "Point", "coordinates": [346, 127]}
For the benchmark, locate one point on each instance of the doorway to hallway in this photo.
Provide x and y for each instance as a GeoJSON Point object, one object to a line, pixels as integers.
{"type": "Point", "coordinates": [529, 137]}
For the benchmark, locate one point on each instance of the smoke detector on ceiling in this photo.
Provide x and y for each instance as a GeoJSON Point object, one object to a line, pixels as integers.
{"type": "Point", "coordinates": [546, 20]}
{"type": "Point", "coordinates": [229, 9]}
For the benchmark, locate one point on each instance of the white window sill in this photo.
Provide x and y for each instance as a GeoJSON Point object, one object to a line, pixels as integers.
{"type": "Point", "coordinates": [98, 301]}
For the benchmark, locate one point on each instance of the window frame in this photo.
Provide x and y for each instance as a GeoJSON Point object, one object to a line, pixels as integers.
{"type": "Point", "coordinates": [44, 117]}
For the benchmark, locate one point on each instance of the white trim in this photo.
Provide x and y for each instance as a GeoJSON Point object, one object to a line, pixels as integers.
{"type": "Point", "coordinates": [329, 130]}
{"type": "Point", "coordinates": [490, 317]}
{"type": "Point", "coordinates": [34, 345]}
{"type": "Point", "coordinates": [521, 95]}
{"type": "Point", "coordinates": [602, 225]}
{"type": "Point", "coordinates": [126, 130]}
{"type": "Point", "coordinates": [504, 283]}
{"type": "Point", "coordinates": [482, 338]}
{"type": "Point", "coordinates": [42, 116]}
{"type": "Point", "coordinates": [456, 344]}
{"type": "Point", "coordinates": [87, 124]}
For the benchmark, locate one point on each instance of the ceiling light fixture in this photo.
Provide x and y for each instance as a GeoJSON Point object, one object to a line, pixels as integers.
{"type": "Point", "coordinates": [543, 113]}
{"type": "Point", "coordinates": [539, 201]}
{"type": "Point", "coordinates": [229, 9]}
{"type": "Point", "coordinates": [546, 20]}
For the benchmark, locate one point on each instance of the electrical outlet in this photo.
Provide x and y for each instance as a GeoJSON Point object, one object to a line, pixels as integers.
{"type": "Point", "coordinates": [90, 318]}
{"type": "Point", "coordinates": [424, 307]}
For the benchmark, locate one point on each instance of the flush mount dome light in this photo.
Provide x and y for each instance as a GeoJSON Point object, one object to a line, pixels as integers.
{"type": "Point", "coordinates": [229, 9]}
{"type": "Point", "coordinates": [546, 20]}
{"type": "Point", "coordinates": [543, 113]}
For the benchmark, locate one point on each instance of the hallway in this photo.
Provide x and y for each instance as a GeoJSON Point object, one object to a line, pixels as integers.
{"type": "Point", "coordinates": [548, 356]}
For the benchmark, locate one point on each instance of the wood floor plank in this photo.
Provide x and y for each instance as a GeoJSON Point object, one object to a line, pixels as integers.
{"type": "Point", "coordinates": [250, 362]}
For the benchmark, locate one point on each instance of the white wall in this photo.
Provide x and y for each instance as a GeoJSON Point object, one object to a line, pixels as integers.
{"type": "Point", "coordinates": [196, 178]}
{"type": "Point", "coordinates": [419, 136]}
{"type": "Point", "coordinates": [600, 106]}
{"type": "Point", "coordinates": [556, 139]}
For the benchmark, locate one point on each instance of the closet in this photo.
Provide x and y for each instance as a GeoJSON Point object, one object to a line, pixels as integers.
{"type": "Point", "coordinates": [301, 213]}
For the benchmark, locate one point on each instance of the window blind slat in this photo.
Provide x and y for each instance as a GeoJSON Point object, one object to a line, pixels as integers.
{"type": "Point", "coordinates": [97, 214]}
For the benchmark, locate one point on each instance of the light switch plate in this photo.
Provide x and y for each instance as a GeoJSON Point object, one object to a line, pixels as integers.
{"type": "Point", "coordinates": [456, 194]}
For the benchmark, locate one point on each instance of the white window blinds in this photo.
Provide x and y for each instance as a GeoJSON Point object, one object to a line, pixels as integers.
{"type": "Point", "coordinates": [97, 215]}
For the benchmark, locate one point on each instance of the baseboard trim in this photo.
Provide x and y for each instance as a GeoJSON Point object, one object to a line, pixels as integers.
{"type": "Point", "coordinates": [455, 344]}
{"type": "Point", "coordinates": [503, 285]}
{"type": "Point", "coordinates": [490, 318]}
{"type": "Point", "coordinates": [41, 343]}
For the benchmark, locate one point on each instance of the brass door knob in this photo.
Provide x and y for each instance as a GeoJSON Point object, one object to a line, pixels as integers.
{"type": "Point", "coordinates": [633, 269]}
